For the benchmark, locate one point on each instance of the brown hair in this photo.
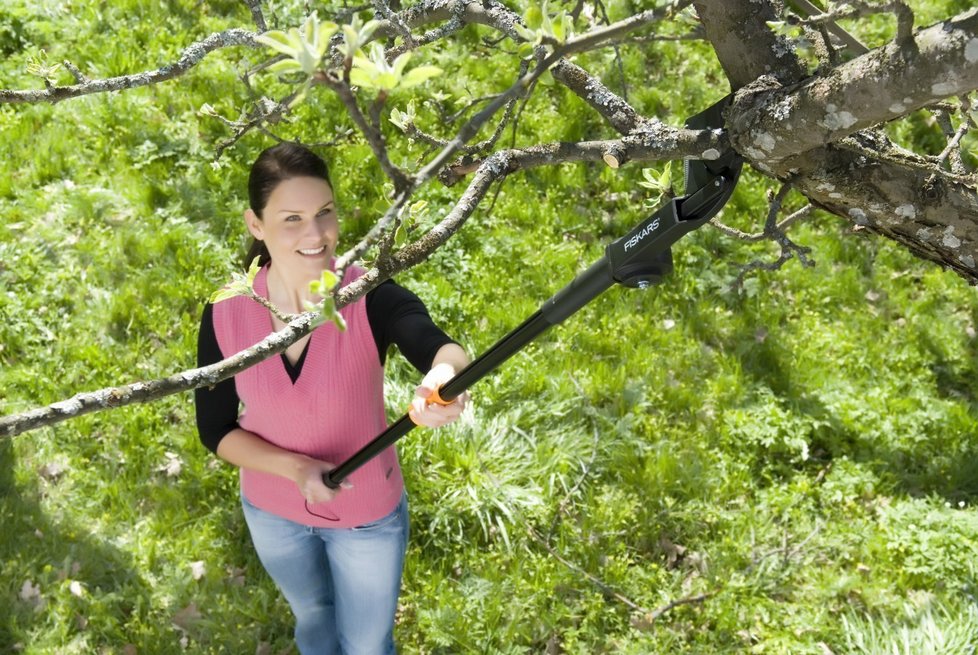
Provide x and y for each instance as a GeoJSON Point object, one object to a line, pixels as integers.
{"type": "Point", "coordinates": [273, 166]}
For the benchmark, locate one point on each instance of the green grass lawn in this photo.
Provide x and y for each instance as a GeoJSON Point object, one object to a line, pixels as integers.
{"type": "Point", "coordinates": [795, 464]}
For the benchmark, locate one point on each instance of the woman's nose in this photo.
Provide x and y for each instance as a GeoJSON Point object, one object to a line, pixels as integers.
{"type": "Point", "coordinates": [316, 230]}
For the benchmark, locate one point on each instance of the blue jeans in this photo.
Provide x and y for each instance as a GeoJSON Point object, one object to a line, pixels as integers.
{"type": "Point", "coordinates": [342, 583]}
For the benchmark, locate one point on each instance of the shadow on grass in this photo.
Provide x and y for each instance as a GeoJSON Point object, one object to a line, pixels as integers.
{"type": "Point", "coordinates": [41, 555]}
{"type": "Point", "coordinates": [943, 462]}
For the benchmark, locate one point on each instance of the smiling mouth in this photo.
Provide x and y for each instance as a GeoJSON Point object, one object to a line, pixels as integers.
{"type": "Point", "coordinates": [312, 252]}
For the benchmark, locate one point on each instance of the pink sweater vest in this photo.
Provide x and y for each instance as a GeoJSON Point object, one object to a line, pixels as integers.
{"type": "Point", "coordinates": [335, 407]}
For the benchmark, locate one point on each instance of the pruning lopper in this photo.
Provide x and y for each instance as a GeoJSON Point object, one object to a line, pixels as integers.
{"type": "Point", "coordinates": [639, 259]}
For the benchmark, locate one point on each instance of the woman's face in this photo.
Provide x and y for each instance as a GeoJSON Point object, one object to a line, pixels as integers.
{"type": "Point", "coordinates": [299, 225]}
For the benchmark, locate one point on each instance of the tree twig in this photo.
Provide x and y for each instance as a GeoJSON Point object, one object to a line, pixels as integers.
{"type": "Point", "coordinates": [598, 582]}
{"type": "Point", "coordinates": [190, 57]}
{"type": "Point", "coordinates": [257, 15]}
{"type": "Point", "coordinates": [394, 19]}
{"type": "Point", "coordinates": [952, 151]}
{"type": "Point", "coordinates": [370, 129]}
{"type": "Point", "coordinates": [774, 232]}
{"type": "Point", "coordinates": [688, 600]}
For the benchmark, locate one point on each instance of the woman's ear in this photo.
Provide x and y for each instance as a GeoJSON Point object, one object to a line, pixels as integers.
{"type": "Point", "coordinates": [254, 224]}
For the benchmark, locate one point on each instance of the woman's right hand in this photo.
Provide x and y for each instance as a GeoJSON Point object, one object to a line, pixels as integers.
{"type": "Point", "coordinates": [309, 478]}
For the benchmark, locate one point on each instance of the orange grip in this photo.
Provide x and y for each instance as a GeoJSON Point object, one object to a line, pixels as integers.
{"type": "Point", "coordinates": [434, 398]}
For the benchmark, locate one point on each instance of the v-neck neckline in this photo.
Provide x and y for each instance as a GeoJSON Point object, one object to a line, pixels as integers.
{"type": "Point", "coordinates": [260, 286]}
{"type": "Point", "coordinates": [295, 370]}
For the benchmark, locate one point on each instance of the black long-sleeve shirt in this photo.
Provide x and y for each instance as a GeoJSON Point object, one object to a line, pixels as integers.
{"type": "Point", "coordinates": [396, 316]}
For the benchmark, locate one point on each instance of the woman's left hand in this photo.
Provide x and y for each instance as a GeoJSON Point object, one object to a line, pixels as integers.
{"type": "Point", "coordinates": [434, 415]}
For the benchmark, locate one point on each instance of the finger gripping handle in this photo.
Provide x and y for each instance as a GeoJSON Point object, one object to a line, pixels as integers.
{"type": "Point", "coordinates": [436, 399]}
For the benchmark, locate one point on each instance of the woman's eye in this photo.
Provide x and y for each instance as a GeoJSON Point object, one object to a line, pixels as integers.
{"type": "Point", "coordinates": [325, 212]}
{"type": "Point", "coordinates": [293, 218]}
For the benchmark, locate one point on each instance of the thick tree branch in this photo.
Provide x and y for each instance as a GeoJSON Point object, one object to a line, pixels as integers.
{"type": "Point", "coordinates": [190, 58]}
{"type": "Point", "coordinates": [863, 178]}
{"type": "Point", "coordinates": [866, 180]}
{"type": "Point", "coordinates": [871, 89]}
{"type": "Point", "coordinates": [746, 47]}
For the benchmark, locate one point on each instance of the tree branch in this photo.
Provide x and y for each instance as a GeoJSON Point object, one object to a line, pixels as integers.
{"type": "Point", "coordinates": [874, 88]}
{"type": "Point", "coordinates": [614, 109]}
{"type": "Point", "coordinates": [740, 235]}
{"type": "Point", "coordinates": [141, 392]}
{"type": "Point", "coordinates": [257, 15]}
{"type": "Point", "coordinates": [191, 56]}
{"type": "Point", "coordinates": [394, 20]}
{"type": "Point", "coordinates": [375, 138]}
{"type": "Point", "coordinates": [670, 143]}
{"type": "Point", "coordinates": [658, 143]}
{"type": "Point", "coordinates": [746, 47]}
{"type": "Point", "coordinates": [863, 177]}
{"type": "Point", "coordinates": [896, 194]}
{"type": "Point", "coordinates": [774, 232]}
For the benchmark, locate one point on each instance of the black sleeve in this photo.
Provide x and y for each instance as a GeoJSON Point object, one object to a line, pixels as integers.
{"type": "Point", "coordinates": [217, 406]}
{"type": "Point", "coordinates": [398, 317]}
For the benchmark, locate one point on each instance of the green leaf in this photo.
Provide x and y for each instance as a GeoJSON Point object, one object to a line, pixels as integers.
{"type": "Point", "coordinates": [253, 269]}
{"type": "Point", "coordinates": [387, 81]}
{"type": "Point", "coordinates": [357, 34]}
{"type": "Point", "coordinates": [324, 285]}
{"type": "Point", "coordinates": [546, 25]}
{"type": "Point", "coordinates": [418, 75]}
{"type": "Point", "coordinates": [665, 180]}
{"type": "Point", "coordinates": [399, 119]}
{"type": "Point", "coordinates": [329, 280]}
{"type": "Point", "coordinates": [401, 62]}
{"type": "Point", "coordinates": [368, 29]}
{"type": "Point", "coordinates": [558, 28]}
{"type": "Point", "coordinates": [326, 32]}
{"type": "Point", "coordinates": [350, 35]}
{"type": "Point", "coordinates": [362, 78]}
{"type": "Point", "coordinates": [285, 66]}
{"type": "Point", "coordinates": [279, 41]}
{"type": "Point", "coordinates": [224, 293]}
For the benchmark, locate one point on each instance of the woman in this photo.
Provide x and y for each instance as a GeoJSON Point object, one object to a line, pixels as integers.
{"type": "Point", "coordinates": [336, 555]}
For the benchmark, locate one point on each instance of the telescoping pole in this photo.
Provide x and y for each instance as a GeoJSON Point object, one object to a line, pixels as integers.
{"type": "Point", "coordinates": [582, 290]}
{"type": "Point", "coordinates": [640, 259]}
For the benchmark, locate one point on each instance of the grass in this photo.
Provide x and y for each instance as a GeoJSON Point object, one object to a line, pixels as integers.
{"type": "Point", "coordinates": [801, 455]}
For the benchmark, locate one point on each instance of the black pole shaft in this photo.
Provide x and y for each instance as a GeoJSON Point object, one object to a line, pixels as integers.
{"type": "Point", "coordinates": [584, 288]}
